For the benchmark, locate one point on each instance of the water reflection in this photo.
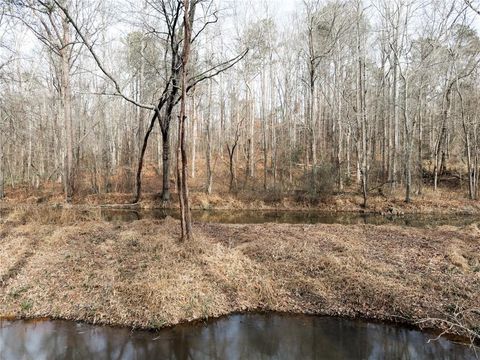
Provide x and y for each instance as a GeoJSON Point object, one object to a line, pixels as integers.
{"type": "Point", "coordinates": [292, 217]}
{"type": "Point", "coordinates": [261, 216]}
{"type": "Point", "coordinates": [236, 337]}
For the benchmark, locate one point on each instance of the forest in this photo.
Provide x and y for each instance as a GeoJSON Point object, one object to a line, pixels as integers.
{"type": "Point", "coordinates": [164, 163]}
{"type": "Point", "coordinates": [311, 99]}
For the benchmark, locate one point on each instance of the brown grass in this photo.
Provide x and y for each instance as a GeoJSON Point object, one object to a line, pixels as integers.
{"type": "Point", "coordinates": [50, 215]}
{"type": "Point", "coordinates": [446, 200]}
{"type": "Point", "coordinates": [139, 275]}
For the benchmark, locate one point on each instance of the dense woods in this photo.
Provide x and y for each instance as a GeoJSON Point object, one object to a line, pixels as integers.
{"type": "Point", "coordinates": [312, 98]}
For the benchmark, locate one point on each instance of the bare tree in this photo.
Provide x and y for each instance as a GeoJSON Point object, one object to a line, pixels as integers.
{"type": "Point", "coordinates": [182, 160]}
{"type": "Point", "coordinates": [52, 28]}
{"type": "Point", "coordinates": [384, 91]}
{"type": "Point", "coordinates": [231, 147]}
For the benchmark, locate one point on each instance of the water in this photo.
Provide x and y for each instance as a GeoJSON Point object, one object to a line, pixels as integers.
{"type": "Point", "coordinates": [238, 336]}
{"type": "Point", "coordinates": [267, 216]}
{"type": "Point", "coordinates": [253, 336]}
{"type": "Point", "coordinates": [293, 217]}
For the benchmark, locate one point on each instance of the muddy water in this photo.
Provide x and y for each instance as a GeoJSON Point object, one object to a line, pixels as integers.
{"type": "Point", "coordinates": [293, 217]}
{"type": "Point", "coordinates": [235, 337]}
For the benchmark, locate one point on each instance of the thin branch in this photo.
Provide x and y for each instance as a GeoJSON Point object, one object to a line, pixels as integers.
{"type": "Point", "coordinates": [99, 63]}
{"type": "Point", "coordinates": [215, 70]}
{"type": "Point", "coordinates": [470, 5]}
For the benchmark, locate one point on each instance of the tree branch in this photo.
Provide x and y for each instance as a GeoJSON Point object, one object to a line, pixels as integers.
{"type": "Point", "coordinates": [99, 63]}
{"type": "Point", "coordinates": [470, 5]}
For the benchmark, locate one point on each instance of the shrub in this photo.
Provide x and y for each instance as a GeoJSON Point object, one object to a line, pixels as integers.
{"type": "Point", "coordinates": [319, 183]}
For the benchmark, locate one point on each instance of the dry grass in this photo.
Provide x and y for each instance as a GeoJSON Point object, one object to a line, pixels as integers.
{"type": "Point", "coordinates": [139, 275]}
{"type": "Point", "coordinates": [50, 215]}
{"type": "Point", "coordinates": [445, 200]}
{"type": "Point", "coordinates": [430, 202]}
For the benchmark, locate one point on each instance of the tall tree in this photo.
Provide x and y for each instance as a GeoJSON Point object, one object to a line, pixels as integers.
{"type": "Point", "coordinates": [182, 160]}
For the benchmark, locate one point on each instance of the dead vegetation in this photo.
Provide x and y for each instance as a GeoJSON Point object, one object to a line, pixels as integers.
{"type": "Point", "coordinates": [50, 215]}
{"type": "Point", "coordinates": [442, 201]}
{"type": "Point", "coordinates": [139, 275]}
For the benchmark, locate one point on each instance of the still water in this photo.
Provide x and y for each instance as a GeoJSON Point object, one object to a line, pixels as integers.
{"type": "Point", "coordinates": [294, 217]}
{"type": "Point", "coordinates": [265, 216]}
{"type": "Point", "coordinates": [253, 336]}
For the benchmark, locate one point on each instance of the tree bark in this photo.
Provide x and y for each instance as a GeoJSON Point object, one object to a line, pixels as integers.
{"type": "Point", "coordinates": [138, 180]}
{"type": "Point", "coordinates": [67, 109]}
{"type": "Point", "coordinates": [182, 171]}
{"type": "Point", "coordinates": [208, 155]}
{"type": "Point", "coordinates": [2, 164]}
{"type": "Point", "coordinates": [443, 133]}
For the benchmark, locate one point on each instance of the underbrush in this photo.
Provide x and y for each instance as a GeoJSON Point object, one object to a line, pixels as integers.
{"type": "Point", "coordinates": [50, 215]}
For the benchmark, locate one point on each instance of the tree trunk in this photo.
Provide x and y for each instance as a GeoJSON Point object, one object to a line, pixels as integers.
{"type": "Point", "coordinates": [264, 131]}
{"type": "Point", "coordinates": [182, 171]}
{"type": "Point", "coordinates": [251, 140]}
{"type": "Point", "coordinates": [165, 166]}
{"type": "Point", "coordinates": [394, 150]}
{"type": "Point", "coordinates": [361, 110]}
{"type": "Point", "coordinates": [209, 159]}
{"type": "Point", "coordinates": [67, 110]}
{"type": "Point", "coordinates": [2, 165]}
{"type": "Point", "coordinates": [138, 179]}
{"type": "Point", "coordinates": [194, 134]}
{"type": "Point", "coordinates": [140, 118]}
{"type": "Point", "coordinates": [468, 148]}
{"type": "Point", "coordinates": [209, 142]}
{"type": "Point", "coordinates": [231, 157]}
{"type": "Point", "coordinates": [408, 142]}
{"type": "Point", "coordinates": [443, 133]}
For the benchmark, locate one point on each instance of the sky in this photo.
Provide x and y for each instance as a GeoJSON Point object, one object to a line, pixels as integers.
{"type": "Point", "coordinates": [247, 11]}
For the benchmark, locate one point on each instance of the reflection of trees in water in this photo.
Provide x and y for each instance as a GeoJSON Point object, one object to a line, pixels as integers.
{"type": "Point", "coordinates": [236, 337]}
{"type": "Point", "coordinates": [12, 342]}
{"type": "Point", "coordinates": [64, 340]}
{"type": "Point", "coordinates": [289, 217]}
{"type": "Point", "coordinates": [39, 341]}
{"type": "Point", "coordinates": [335, 340]}
{"type": "Point", "coordinates": [261, 337]}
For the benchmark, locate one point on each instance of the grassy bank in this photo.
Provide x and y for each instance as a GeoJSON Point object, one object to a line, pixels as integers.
{"type": "Point", "coordinates": [442, 201]}
{"type": "Point", "coordinates": [139, 275]}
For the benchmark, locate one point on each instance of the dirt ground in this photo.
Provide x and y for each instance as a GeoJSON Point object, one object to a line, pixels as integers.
{"type": "Point", "coordinates": [139, 275]}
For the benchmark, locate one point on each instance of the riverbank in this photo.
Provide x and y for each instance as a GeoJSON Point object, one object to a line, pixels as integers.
{"type": "Point", "coordinates": [443, 201]}
{"type": "Point", "coordinates": [138, 274]}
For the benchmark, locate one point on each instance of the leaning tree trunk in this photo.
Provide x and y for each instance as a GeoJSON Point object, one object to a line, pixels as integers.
{"type": "Point", "coordinates": [138, 182]}
{"type": "Point", "coordinates": [164, 123]}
